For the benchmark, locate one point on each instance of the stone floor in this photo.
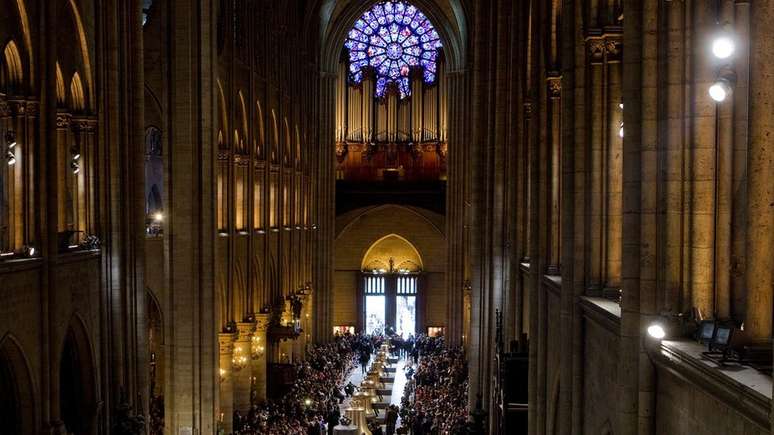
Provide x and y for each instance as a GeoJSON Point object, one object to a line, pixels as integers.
{"type": "Point", "coordinates": [394, 385]}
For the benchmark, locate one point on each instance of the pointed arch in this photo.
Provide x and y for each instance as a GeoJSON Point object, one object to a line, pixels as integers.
{"type": "Point", "coordinates": [24, 20]}
{"type": "Point", "coordinates": [240, 292]}
{"type": "Point", "coordinates": [286, 151]}
{"type": "Point", "coordinates": [275, 136]}
{"type": "Point", "coordinates": [258, 290]}
{"type": "Point", "coordinates": [17, 387]}
{"type": "Point", "coordinates": [13, 67]}
{"type": "Point", "coordinates": [83, 41]}
{"type": "Point", "coordinates": [61, 97]}
{"type": "Point", "coordinates": [243, 108]}
{"type": "Point", "coordinates": [77, 99]}
{"type": "Point", "coordinates": [77, 379]}
{"type": "Point", "coordinates": [407, 253]}
{"type": "Point", "coordinates": [261, 134]}
{"type": "Point", "coordinates": [298, 145]}
{"type": "Point", "coordinates": [222, 112]}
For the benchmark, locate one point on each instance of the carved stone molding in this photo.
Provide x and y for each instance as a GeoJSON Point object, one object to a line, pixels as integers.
{"type": "Point", "coordinates": [5, 109]}
{"type": "Point", "coordinates": [81, 125]}
{"type": "Point", "coordinates": [595, 48]}
{"type": "Point", "coordinates": [245, 330]}
{"type": "Point", "coordinates": [262, 322]}
{"type": "Point", "coordinates": [63, 120]}
{"type": "Point", "coordinates": [341, 151]}
{"type": "Point", "coordinates": [554, 84]}
{"type": "Point", "coordinates": [613, 48]}
{"type": "Point", "coordinates": [226, 342]}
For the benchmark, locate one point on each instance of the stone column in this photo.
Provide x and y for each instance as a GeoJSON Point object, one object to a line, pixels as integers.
{"type": "Point", "coordinates": [242, 377]}
{"type": "Point", "coordinates": [259, 349]}
{"type": "Point", "coordinates": [226, 372]}
{"type": "Point", "coordinates": [760, 167]}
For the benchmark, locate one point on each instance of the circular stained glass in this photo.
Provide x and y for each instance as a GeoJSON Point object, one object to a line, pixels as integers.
{"type": "Point", "coordinates": [392, 37]}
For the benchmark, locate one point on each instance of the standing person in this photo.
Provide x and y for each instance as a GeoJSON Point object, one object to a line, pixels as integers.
{"type": "Point", "coordinates": [364, 358]}
{"type": "Point", "coordinates": [391, 419]}
{"type": "Point", "coordinates": [349, 389]}
{"type": "Point", "coordinates": [333, 417]}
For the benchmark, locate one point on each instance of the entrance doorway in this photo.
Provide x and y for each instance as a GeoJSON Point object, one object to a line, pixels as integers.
{"type": "Point", "coordinates": [390, 302]}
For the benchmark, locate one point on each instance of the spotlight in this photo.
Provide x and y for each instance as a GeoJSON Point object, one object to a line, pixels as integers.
{"type": "Point", "coordinates": [621, 131]}
{"type": "Point", "coordinates": [10, 138]}
{"type": "Point", "coordinates": [11, 158]}
{"type": "Point", "coordinates": [720, 90]}
{"type": "Point", "coordinates": [656, 331]}
{"type": "Point", "coordinates": [158, 216]}
{"type": "Point", "coordinates": [75, 167]}
{"type": "Point", "coordinates": [308, 402]}
{"type": "Point", "coordinates": [723, 47]}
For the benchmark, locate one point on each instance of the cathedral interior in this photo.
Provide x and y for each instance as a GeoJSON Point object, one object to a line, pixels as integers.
{"type": "Point", "coordinates": [205, 203]}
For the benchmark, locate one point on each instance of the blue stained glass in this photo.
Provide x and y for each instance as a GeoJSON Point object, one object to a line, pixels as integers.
{"type": "Point", "coordinates": [392, 37]}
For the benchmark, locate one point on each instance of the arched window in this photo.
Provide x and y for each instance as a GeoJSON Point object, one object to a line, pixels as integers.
{"type": "Point", "coordinates": [393, 37]}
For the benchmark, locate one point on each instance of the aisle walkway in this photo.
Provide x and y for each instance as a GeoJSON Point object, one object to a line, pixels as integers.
{"type": "Point", "coordinates": [396, 387]}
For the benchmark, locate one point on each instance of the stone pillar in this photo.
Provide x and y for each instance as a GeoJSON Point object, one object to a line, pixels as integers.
{"type": "Point", "coordinates": [259, 349]}
{"type": "Point", "coordinates": [226, 372]}
{"type": "Point", "coordinates": [760, 167]}
{"type": "Point", "coordinates": [242, 373]}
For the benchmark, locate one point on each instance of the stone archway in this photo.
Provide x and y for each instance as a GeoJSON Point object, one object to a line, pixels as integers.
{"type": "Point", "coordinates": [77, 399]}
{"type": "Point", "coordinates": [17, 404]}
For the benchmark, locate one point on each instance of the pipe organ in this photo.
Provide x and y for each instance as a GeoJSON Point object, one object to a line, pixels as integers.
{"type": "Point", "coordinates": [395, 136]}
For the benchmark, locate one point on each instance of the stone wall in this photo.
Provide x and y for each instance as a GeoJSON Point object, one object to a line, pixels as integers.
{"type": "Point", "coordinates": [358, 230]}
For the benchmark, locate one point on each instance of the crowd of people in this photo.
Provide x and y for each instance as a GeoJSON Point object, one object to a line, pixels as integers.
{"type": "Point", "coordinates": [435, 399]}
{"type": "Point", "coordinates": [311, 405]}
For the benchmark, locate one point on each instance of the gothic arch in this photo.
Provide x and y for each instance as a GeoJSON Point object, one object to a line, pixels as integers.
{"type": "Point", "coordinates": [17, 392]}
{"type": "Point", "coordinates": [260, 141]}
{"type": "Point", "coordinates": [61, 96]}
{"type": "Point", "coordinates": [275, 136]}
{"type": "Point", "coordinates": [222, 112]}
{"type": "Point", "coordinates": [244, 124]}
{"type": "Point", "coordinates": [77, 99]}
{"type": "Point", "coordinates": [357, 214]}
{"type": "Point", "coordinates": [77, 380]}
{"type": "Point", "coordinates": [13, 68]}
{"type": "Point", "coordinates": [84, 48]}
{"type": "Point", "coordinates": [408, 253]}
{"type": "Point", "coordinates": [336, 23]}
{"type": "Point", "coordinates": [257, 283]}
{"type": "Point", "coordinates": [286, 151]}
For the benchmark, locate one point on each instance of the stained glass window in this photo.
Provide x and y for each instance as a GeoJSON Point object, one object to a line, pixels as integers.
{"type": "Point", "coordinates": [392, 37]}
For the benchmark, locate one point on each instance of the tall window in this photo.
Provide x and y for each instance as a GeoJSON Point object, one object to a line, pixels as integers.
{"type": "Point", "coordinates": [374, 304]}
{"type": "Point", "coordinates": [392, 37]}
{"type": "Point", "coordinates": [154, 180]}
{"type": "Point", "coordinates": [406, 305]}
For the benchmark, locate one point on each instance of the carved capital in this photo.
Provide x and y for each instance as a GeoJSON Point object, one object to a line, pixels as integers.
{"type": "Point", "coordinates": [613, 48]}
{"type": "Point", "coordinates": [18, 107]}
{"type": "Point", "coordinates": [554, 83]}
{"type": "Point", "coordinates": [262, 322]}
{"type": "Point", "coordinates": [226, 342]}
{"type": "Point", "coordinates": [5, 109]}
{"type": "Point", "coordinates": [245, 330]}
{"type": "Point", "coordinates": [63, 120]}
{"type": "Point", "coordinates": [595, 49]}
